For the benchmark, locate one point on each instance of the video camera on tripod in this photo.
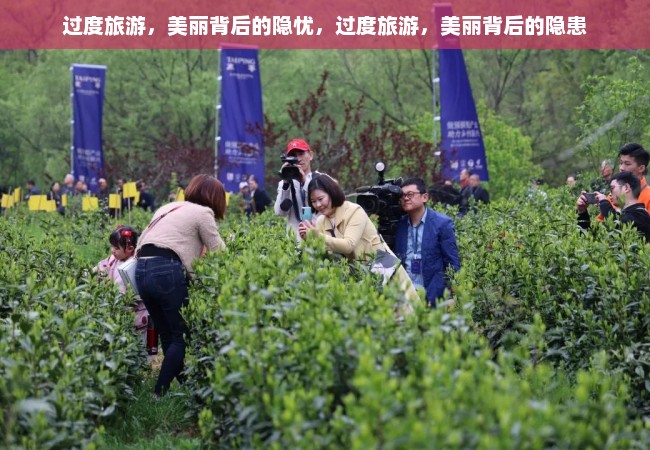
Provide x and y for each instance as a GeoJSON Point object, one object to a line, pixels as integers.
{"type": "Point", "coordinates": [383, 199]}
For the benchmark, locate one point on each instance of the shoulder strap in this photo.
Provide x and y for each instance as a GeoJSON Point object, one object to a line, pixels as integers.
{"type": "Point", "coordinates": [154, 222]}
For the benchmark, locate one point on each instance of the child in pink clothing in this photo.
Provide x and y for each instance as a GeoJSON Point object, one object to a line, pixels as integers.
{"type": "Point", "coordinates": [123, 242]}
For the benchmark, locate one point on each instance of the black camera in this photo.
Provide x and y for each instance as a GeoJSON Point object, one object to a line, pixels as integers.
{"type": "Point", "coordinates": [383, 200]}
{"type": "Point", "coordinates": [290, 172]}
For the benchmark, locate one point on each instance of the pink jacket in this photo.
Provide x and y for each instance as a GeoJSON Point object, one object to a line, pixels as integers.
{"type": "Point", "coordinates": [109, 267]}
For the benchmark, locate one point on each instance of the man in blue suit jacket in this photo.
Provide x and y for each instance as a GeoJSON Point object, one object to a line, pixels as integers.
{"type": "Point", "coordinates": [425, 241]}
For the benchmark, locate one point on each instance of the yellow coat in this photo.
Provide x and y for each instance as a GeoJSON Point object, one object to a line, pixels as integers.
{"type": "Point", "coordinates": [351, 233]}
{"type": "Point", "coordinates": [354, 235]}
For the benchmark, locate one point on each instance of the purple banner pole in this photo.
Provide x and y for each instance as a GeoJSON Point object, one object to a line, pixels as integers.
{"type": "Point", "coordinates": [87, 107]}
{"type": "Point", "coordinates": [462, 142]}
{"type": "Point", "coordinates": [241, 118]}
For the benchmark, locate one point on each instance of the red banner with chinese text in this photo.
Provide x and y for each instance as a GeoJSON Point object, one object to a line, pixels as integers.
{"type": "Point", "coordinates": [309, 24]}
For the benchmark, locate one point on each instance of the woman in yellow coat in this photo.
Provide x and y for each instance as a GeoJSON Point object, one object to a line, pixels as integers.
{"type": "Point", "coordinates": [347, 229]}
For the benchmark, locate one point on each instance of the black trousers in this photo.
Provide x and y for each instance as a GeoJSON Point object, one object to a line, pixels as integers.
{"type": "Point", "coordinates": [163, 288]}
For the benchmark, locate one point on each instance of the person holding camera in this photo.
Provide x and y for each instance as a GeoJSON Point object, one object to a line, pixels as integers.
{"type": "Point", "coordinates": [425, 241]}
{"type": "Point", "coordinates": [625, 188]}
{"type": "Point", "coordinates": [633, 158]}
{"type": "Point", "coordinates": [296, 175]}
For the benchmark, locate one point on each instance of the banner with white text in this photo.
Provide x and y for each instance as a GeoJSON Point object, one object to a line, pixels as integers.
{"type": "Point", "coordinates": [462, 142]}
{"type": "Point", "coordinates": [241, 120]}
{"type": "Point", "coordinates": [87, 109]}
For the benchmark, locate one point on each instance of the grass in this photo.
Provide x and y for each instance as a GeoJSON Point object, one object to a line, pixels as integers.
{"type": "Point", "coordinates": [148, 423]}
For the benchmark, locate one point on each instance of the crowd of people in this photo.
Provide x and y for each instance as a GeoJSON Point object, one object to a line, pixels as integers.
{"type": "Point", "coordinates": [426, 241]}
{"type": "Point", "coordinates": [75, 190]}
{"type": "Point", "coordinates": [628, 200]}
{"type": "Point", "coordinates": [255, 200]}
{"type": "Point", "coordinates": [423, 256]}
{"type": "Point", "coordinates": [314, 206]}
{"type": "Point", "coordinates": [469, 192]}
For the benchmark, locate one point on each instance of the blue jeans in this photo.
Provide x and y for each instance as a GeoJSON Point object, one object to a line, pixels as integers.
{"type": "Point", "coordinates": [163, 288]}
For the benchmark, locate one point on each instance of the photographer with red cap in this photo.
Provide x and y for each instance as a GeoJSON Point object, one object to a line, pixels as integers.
{"type": "Point", "coordinates": [296, 175]}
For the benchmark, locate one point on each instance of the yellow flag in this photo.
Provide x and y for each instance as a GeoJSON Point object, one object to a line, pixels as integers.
{"type": "Point", "coordinates": [227, 198]}
{"type": "Point", "coordinates": [49, 206]}
{"type": "Point", "coordinates": [180, 195]}
{"type": "Point", "coordinates": [64, 200]}
{"type": "Point", "coordinates": [17, 195]}
{"type": "Point", "coordinates": [7, 201]}
{"type": "Point", "coordinates": [136, 198]}
{"type": "Point", "coordinates": [129, 190]}
{"type": "Point", "coordinates": [114, 201]}
{"type": "Point", "coordinates": [35, 202]}
{"type": "Point", "coordinates": [89, 203]}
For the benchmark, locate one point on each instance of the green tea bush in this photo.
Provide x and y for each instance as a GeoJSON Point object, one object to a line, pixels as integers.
{"type": "Point", "coordinates": [69, 354]}
{"type": "Point", "coordinates": [293, 349]}
{"type": "Point", "coordinates": [545, 345]}
{"type": "Point", "coordinates": [528, 257]}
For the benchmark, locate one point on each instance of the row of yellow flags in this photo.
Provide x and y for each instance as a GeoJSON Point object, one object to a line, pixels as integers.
{"type": "Point", "coordinates": [9, 200]}
{"type": "Point", "coordinates": [88, 203]}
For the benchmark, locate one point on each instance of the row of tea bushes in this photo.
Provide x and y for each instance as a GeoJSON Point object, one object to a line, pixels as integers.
{"type": "Point", "coordinates": [292, 349]}
{"type": "Point", "coordinates": [592, 290]}
{"type": "Point", "coordinates": [68, 356]}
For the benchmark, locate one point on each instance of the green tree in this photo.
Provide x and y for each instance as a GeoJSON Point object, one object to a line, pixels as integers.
{"type": "Point", "coordinates": [614, 112]}
{"type": "Point", "coordinates": [508, 151]}
{"type": "Point", "coordinates": [509, 155]}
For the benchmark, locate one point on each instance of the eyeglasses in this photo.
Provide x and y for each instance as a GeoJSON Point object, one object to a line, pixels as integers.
{"type": "Point", "coordinates": [409, 195]}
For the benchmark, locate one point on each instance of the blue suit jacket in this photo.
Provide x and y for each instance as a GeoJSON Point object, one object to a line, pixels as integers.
{"type": "Point", "coordinates": [439, 251]}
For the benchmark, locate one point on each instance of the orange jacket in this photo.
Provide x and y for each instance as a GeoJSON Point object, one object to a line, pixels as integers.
{"type": "Point", "coordinates": [644, 196]}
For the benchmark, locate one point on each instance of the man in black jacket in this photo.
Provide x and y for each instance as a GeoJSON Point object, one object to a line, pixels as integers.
{"type": "Point", "coordinates": [473, 190]}
{"type": "Point", "coordinates": [259, 198]}
{"type": "Point", "coordinates": [146, 199]}
{"type": "Point", "coordinates": [625, 188]}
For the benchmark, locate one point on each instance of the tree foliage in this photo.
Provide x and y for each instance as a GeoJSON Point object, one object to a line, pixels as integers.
{"type": "Point", "coordinates": [349, 148]}
{"type": "Point", "coordinates": [165, 99]}
{"type": "Point", "coordinates": [509, 155]}
{"type": "Point", "coordinates": [613, 113]}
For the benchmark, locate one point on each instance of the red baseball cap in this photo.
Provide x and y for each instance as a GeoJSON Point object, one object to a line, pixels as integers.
{"type": "Point", "coordinates": [298, 144]}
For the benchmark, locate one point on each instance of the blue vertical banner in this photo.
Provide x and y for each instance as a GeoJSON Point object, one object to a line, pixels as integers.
{"type": "Point", "coordinates": [462, 142]}
{"type": "Point", "coordinates": [241, 118]}
{"type": "Point", "coordinates": [87, 109]}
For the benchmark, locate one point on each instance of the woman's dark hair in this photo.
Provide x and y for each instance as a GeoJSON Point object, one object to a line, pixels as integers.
{"type": "Point", "coordinates": [326, 184]}
{"type": "Point", "coordinates": [206, 190]}
{"type": "Point", "coordinates": [123, 236]}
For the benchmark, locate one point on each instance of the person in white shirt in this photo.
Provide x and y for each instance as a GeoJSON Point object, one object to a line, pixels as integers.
{"type": "Point", "coordinates": [292, 189]}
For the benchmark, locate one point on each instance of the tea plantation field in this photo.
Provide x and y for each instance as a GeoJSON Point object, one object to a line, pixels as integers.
{"type": "Point", "coordinates": [543, 343]}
